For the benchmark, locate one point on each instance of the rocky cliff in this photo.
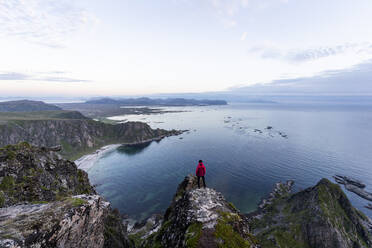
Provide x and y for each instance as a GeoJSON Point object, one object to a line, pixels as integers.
{"type": "Point", "coordinates": [320, 216]}
{"type": "Point", "coordinates": [77, 135]}
{"type": "Point", "coordinates": [47, 202]}
{"type": "Point", "coordinates": [197, 218]}
{"type": "Point", "coordinates": [317, 217]}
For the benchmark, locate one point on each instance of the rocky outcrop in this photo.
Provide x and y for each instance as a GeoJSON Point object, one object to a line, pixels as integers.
{"type": "Point", "coordinates": [34, 174]}
{"type": "Point", "coordinates": [77, 136]}
{"type": "Point", "coordinates": [200, 218]}
{"type": "Point", "coordinates": [77, 221]}
{"type": "Point", "coordinates": [318, 217]}
{"type": "Point", "coordinates": [47, 202]}
{"type": "Point", "coordinates": [354, 185]}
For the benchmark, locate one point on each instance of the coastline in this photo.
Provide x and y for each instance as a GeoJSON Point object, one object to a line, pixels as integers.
{"type": "Point", "coordinates": [87, 161]}
{"type": "Point", "coordinates": [159, 138]}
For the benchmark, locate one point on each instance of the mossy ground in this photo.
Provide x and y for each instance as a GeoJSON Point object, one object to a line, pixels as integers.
{"type": "Point", "coordinates": [75, 202]}
{"type": "Point", "coordinates": [2, 199]}
{"type": "Point", "coordinates": [225, 233]}
{"type": "Point", "coordinates": [34, 183]}
{"type": "Point", "coordinates": [193, 234]}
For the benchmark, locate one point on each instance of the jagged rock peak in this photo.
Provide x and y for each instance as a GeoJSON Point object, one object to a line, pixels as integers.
{"type": "Point", "coordinates": [201, 218]}
{"type": "Point", "coordinates": [317, 217]}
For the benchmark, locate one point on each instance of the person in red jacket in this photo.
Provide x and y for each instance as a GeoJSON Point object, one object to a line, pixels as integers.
{"type": "Point", "coordinates": [200, 172]}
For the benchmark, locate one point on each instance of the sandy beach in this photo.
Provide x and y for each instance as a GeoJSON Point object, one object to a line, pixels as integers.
{"type": "Point", "coordinates": [87, 161]}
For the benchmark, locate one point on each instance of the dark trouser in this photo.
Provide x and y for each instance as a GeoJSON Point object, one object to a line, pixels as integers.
{"type": "Point", "coordinates": [199, 181]}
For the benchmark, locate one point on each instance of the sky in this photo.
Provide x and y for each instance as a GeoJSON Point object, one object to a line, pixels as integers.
{"type": "Point", "coordinates": [137, 47]}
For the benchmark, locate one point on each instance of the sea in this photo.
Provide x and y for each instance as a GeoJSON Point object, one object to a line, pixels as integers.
{"type": "Point", "coordinates": [246, 149]}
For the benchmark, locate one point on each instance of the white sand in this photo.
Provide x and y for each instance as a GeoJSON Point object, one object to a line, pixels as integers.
{"type": "Point", "coordinates": [87, 161]}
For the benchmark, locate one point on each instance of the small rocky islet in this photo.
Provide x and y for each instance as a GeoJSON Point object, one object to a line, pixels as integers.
{"type": "Point", "coordinates": [356, 186]}
{"type": "Point", "coordinates": [238, 126]}
{"type": "Point", "coordinates": [46, 201]}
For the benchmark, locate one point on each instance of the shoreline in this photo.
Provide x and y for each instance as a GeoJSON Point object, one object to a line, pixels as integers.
{"type": "Point", "coordinates": [87, 161]}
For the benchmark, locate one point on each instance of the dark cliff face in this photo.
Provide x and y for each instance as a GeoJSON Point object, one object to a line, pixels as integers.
{"type": "Point", "coordinates": [77, 136]}
{"type": "Point", "coordinates": [320, 216]}
{"type": "Point", "coordinates": [45, 201]}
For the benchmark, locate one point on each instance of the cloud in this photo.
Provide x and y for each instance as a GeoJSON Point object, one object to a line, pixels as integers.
{"type": "Point", "coordinates": [244, 36]}
{"type": "Point", "coordinates": [227, 10]}
{"type": "Point", "coordinates": [356, 80]}
{"type": "Point", "coordinates": [13, 76]}
{"type": "Point", "coordinates": [304, 55]}
{"type": "Point", "coordinates": [9, 76]}
{"type": "Point", "coordinates": [43, 22]}
{"type": "Point", "coordinates": [63, 79]}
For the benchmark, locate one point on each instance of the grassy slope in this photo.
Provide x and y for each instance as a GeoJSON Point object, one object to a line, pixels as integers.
{"type": "Point", "coordinates": [40, 115]}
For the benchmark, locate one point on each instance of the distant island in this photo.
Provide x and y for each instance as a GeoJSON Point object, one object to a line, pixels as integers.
{"type": "Point", "coordinates": [101, 108]}
{"type": "Point", "coordinates": [145, 101]}
{"type": "Point", "coordinates": [26, 106]}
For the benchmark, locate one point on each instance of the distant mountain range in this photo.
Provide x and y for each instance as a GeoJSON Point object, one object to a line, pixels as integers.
{"type": "Point", "coordinates": [145, 101]}
{"type": "Point", "coordinates": [26, 106]}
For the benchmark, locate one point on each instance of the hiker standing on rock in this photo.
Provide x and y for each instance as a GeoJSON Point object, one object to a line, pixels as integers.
{"type": "Point", "coordinates": [200, 172]}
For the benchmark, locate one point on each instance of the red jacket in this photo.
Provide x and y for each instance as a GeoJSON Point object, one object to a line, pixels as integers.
{"type": "Point", "coordinates": [200, 170]}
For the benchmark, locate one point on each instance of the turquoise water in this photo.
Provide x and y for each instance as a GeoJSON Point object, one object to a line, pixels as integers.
{"type": "Point", "coordinates": [305, 143]}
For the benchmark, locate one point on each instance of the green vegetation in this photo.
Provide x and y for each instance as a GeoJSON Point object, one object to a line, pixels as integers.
{"type": "Point", "coordinates": [286, 239]}
{"type": "Point", "coordinates": [18, 117]}
{"type": "Point", "coordinates": [83, 186]}
{"type": "Point", "coordinates": [154, 240]}
{"type": "Point", "coordinates": [2, 199]}
{"type": "Point", "coordinates": [227, 235]}
{"type": "Point", "coordinates": [7, 183]}
{"type": "Point", "coordinates": [136, 238]}
{"type": "Point", "coordinates": [76, 202]}
{"type": "Point", "coordinates": [26, 106]}
{"type": "Point", "coordinates": [335, 212]}
{"type": "Point", "coordinates": [193, 234]}
{"type": "Point", "coordinates": [232, 206]}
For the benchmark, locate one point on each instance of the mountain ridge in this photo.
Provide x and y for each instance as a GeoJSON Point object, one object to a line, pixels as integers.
{"type": "Point", "coordinates": [26, 106]}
